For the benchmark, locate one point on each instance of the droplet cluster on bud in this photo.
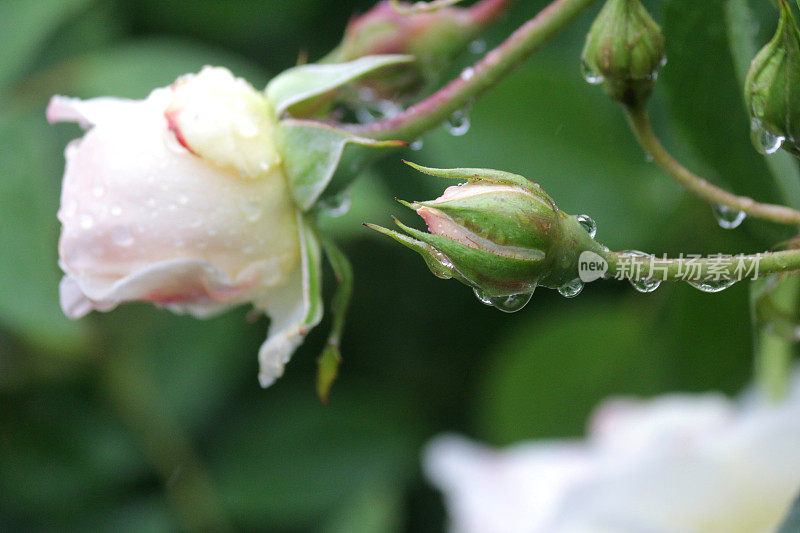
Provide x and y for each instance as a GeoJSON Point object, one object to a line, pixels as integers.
{"type": "Point", "coordinates": [772, 88]}
{"type": "Point", "coordinates": [499, 233]}
{"type": "Point", "coordinates": [624, 50]}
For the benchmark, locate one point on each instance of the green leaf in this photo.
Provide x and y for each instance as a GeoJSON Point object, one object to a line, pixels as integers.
{"type": "Point", "coordinates": [317, 155]}
{"type": "Point", "coordinates": [29, 273]}
{"type": "Point", "coordinates": [26, 25]}
{"type": "Point", "coordinates": [705, 96]}
{"type": "Point", "coordinates": [307, 81]}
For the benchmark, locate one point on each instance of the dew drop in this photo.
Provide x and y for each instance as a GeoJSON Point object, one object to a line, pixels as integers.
{"type": "Point", "coordinates": [246, 128]}
{"type": "Point", "coordinates": [337, 205]}
{"type": "Point", "coordinates": [252, 211]}
{"type": "Point", "coordinates": [482, 298]}
{"type": "Point", "coordinates": [373, 110]}
{"type": "Point", "coordinates": [588, 224]}
{"type": "Point", "coordinates": [87, 222]}
{"type": "Point", "coordinates": [458, 123]}
{"type": "Point", "coordinates": [183, 199]}
{"type": "Point", "coordinates": [590, 75]}
{"type": "Point", "coordinates": [512, 303]}
{"type": "Point", "coordinates": [98, 191]}
{"type": "Point", "coordinates": [416, 145]}
{"type": "Point", "coordinates": [116, 210]}
{"type": "Point", "coordinates": [764, 141]}
{"type": "Point", "coordinates": [440, 265]}
{"type": "Point", "coordinates": [478, 46]}
{"type": "Point", "coordinates": [121, 236]}
{"type": "Point", "coordinates": [712, 286]}
{"type": "Point", "coordinates": [643, 285]}
{"type": "Point", "coordinates": [728, 217]}
{"type": "Point", "coordinates": [571, 289]}
{"type": "Point", "coordinates": [467, 73]}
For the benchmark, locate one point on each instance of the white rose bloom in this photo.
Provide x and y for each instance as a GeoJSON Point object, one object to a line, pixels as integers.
{"type": "Point", "coordinates": [181, 200]}
{"type": "Point", "coordinates": [674, 464]}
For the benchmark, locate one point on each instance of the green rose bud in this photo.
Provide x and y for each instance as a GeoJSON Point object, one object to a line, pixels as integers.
{"type": "Point", "coordinates": [435, 37]}
{"type": "Point", "coordinates": [624, 50]}
{"type": "Point", "coordinates": [501, 234]}
{"type": "Point", "coordinates": [772, 88]}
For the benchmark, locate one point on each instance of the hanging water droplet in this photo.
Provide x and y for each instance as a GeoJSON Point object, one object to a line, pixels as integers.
{"type": "Point", "coordinates": [458, 123]}
{"type": "Point", "coordinates": [467, 73]}
{"type": "Point", "coordinates": [712, 286]}
{"type": "Point", "coordinates": [590, 75]}
{"type": "Point", "coordinates": [588, 224]}
{"type": "Point", "coordinates": [374, 110]}
{"type": "Point", "coordinates": [643, 285]}
{"type": "Point", "coordinates": [336, 205]}
{"type": "Point", "coordinates": [764, 141]}
{"type": "Point", "coordinates": [121, 236]}
{"type": "Point", "coordinates": [571, 289]}
{"type": "Point", "coordinates": [512, 303]}
{"type": "Point", "coordinates": [728, 217]}
{"type": "Point", "coordinates": [477, 46]}
{"type": "Point", "coordinates": [416, 145]}
{"type": "Point", "coordinates": [482, 298]}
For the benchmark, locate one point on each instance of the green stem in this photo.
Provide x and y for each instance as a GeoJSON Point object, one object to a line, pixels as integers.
{"type": "Point", "coordinates": [474, 81]}
{"type": "Point", "coordinates": [640, 124]}
{"type": "Point", "coordinates": [724, 267]}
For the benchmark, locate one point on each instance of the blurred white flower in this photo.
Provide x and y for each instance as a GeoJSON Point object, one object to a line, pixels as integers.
{"type": "Point", "coordinates": [181, 200]}
{"type": "Point", "coordinates": [674, 464]}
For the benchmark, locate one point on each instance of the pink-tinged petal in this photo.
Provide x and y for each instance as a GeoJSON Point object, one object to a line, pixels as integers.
{"type": "Point", "coordinates": [89, 112]}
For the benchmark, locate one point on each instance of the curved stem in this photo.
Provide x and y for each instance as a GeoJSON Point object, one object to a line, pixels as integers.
{"type": "Point", "coordinates": [473, 81]}
{"type": "Point", "coordinates": [623, 265]}
{"type": "Point", "coordinates": [640, 124]}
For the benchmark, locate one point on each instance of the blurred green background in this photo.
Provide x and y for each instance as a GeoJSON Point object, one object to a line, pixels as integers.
{"type": "Point", "coordinates": [139, 420]}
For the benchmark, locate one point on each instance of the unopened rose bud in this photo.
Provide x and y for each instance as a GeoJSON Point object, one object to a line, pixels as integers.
{"type": "Point", "coordinates": [179, 200]}
{"type": "Point", "coordinates": [624, 51]}
{"type": "Point", "coordinates": [772, 88]}
{"type": "Point", "coordinates": [434, 38]}
{"type": "Point", "coordinates": [499, 233]}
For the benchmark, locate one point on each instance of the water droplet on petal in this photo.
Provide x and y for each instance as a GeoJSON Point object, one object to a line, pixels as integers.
{"type": "Point", "coordinates": [588, 224]}
{"type": "Point", "coordinates": [512, 303]}
{"type": "Point", "coordinates": [246, 127]}
{"type": "Point", "coordinates": [590, 75]}
{"type": "Point", "coordinates": [477, 46]}
{"type": "Point", "coordinates": [98, 190]}
{"type": "Point", "coordinates": [183, 199]}
{"type": "Point", "coordinates": [116, 210]}
{"type": "Point", "coordinates": [252, 210]}
{"type": "Point", "coordinates": [571, 289]}
{"type": "Point", "coordinates": [458, 123]}
{"type": "Point", "coordinates": [482, 298]}
{"type": "Point", "coordinates": [712, 286]}
{"type": "Point", "coordinates": [728, 217]}
{"type": "Point", "coordinates": [121, 236]}
{"type": "Point", "coordinates": [87, 222]}
{"type": "Point", "coordinates": [764, 141]}
{"type": "Point", "coordinates": [416, 145]}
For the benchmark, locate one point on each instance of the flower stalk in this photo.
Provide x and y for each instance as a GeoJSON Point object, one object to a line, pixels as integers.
{"type": "Point", "coordinates": [639, 121]}
{"type": "Point", "coordinates": [476, 80]}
